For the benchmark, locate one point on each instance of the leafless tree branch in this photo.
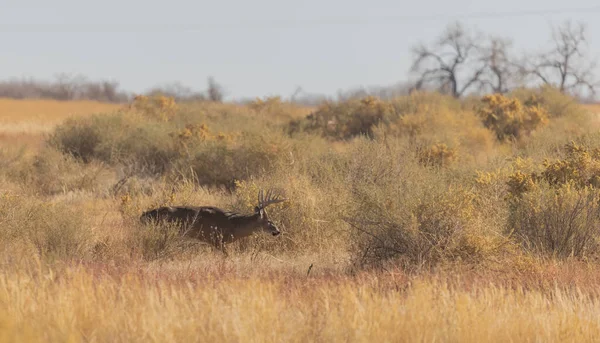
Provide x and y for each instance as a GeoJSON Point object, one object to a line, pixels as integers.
{"type": "Point", "coordinates": [460, 62]}
{"type": "Point", "coordinates": [567, 65]}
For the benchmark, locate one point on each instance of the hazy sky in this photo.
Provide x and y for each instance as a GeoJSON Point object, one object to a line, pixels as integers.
{"type": "Point", "coordinates": [254, 48]}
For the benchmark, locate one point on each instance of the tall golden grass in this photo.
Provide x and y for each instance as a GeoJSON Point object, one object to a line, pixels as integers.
{"type": "Point", "coordinates": [196, 304]}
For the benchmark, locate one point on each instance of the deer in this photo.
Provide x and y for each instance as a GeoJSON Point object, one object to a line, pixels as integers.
{"type": "Point", "coordinates": [216, 226]}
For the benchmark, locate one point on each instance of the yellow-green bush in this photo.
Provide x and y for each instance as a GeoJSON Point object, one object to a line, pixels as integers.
{"type": "Point", "coordinates": [554, 205]}
{"type": "Point", "coordinates": [556, 103]}
{"type": "Point", "coordinates": [118, 138]}
{"type": "Point", "coordinates": [439, 155]}
{"type": "Point", "coordinates": [580, 166]}
{"type": "Point", "coordinates": [160, 107]}
{"type": "Point", "coordinates": [179, 146]}
{"type": "Point", "coordinates": [345, 119]}
{"type": "Point", "coordinates": [450, 136]}
{"type": "Point", "coordinates": [508, 118]}
{"type": "Point", "coordinates": [225, 159]}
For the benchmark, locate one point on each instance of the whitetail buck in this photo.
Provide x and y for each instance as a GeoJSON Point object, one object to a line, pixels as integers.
{"type": "Point", "coordinates": [214, 225]}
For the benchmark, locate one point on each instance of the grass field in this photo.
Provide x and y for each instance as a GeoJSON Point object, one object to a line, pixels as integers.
{"type": "Point", "coordinates": [26, 121]}
{"type": "Point", "coordinates": [414, 219]}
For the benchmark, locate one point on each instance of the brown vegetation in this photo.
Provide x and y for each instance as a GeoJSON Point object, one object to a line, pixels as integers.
{"type": "Point", "coordinates": [415, 218]}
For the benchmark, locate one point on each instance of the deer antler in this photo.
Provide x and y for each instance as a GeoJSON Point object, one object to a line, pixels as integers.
{"type": "Point", "coordinates": [271, 199]}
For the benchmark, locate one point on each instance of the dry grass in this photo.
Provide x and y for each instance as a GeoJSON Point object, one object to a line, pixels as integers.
{"type": "Point", "coordinates": [46, 113]}
{"type": "Point", "coordinates": [439, 261]}
{"type": "Point", "coordinates": [24, 122]}
{"type": "Point", "coordinates": [592, 107]}
{"type": "Point", "coordinates": [201, 303]}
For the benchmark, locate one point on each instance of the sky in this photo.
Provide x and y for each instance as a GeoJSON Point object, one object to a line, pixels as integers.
{"type": "Point", "coordinates": [260, 47]}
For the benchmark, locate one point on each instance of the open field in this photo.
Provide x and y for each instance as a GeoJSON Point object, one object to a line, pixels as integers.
{"type": "Point", "coordinates": [25, 121]}
{"type": "Point", "coordinates": [422, 218]}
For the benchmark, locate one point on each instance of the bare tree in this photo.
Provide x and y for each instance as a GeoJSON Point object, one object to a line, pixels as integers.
{"type": "Point", "coordinates": [215, 91]}
{"type": "Point", "coordinates": [296, 93]}
{"type": "Point", "coordinates": [452, 65]}
{"type": "Point", "coordinates": [501, 71]}
{"type": "Point", "coordinates": [567, 65]}
{"type": "Point", "coordinates": [103, 91]}
{"type": "Point", "coordinates": [68, 86]}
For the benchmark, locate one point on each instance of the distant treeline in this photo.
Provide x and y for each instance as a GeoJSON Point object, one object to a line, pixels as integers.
{"type": "Point", "coordinates": [66, 87]}
{"type": "Point", "coordinates": [77, 87]}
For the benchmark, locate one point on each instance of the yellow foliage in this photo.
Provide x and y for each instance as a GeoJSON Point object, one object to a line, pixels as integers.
{"type": "Point", "coordinates": [267, 104]}
{"type": "Point", "coordinates": [486, 178]}
{"type": "Point", "coordinates": [410, 125]}
{"type": "Point", "coordinates": [437, 155]}
{"type": "Point", "coordinates": [508, 118]}
{"type": "Point", "coordinates": [195, 133]}
{"type": "Point", "coordinates": [159, 107]}
{"type": "Point", "coordinates": [519, 183]}
{"type": "Point", "coordinates": [581, 166]}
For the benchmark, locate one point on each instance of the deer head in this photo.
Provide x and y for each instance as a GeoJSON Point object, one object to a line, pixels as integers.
{"type": "Point", "coordinates": [261, 211]}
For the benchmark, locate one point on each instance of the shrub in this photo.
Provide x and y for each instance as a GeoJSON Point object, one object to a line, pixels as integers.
{"type": "Point", "coordinates": [225, 158]}
{"type": "Point", "coordinates": [439, 155]}
{"type": "Point", "coordinates": [55, 231]}
{"type": "Point", "coordinates": [346, 119]}
{"type": "Point", "coordinates": [554, 207]}
{"type": "Point", "coordinates": [77, 137]}
{"type": "Point", "coordinates": [554, 102]}
{"type": "Point", "coordinates": [437, 227]}
{"type": "Point", "coordinates": [404, 214]}
{"type": "Point", "coordinates": [51, 172]}
{"type": "Point", "coordinates": [268, 104]}
{"type": "Point", "coordinates": [160, 107]}
{"type": "Point", "coordinates": [561, 222]}
{"type": "Point", "coordinates": [118, 139]}
{"type": "Point", "coordinates": [581, 166]}
{"type": "Point", "coordinates": [461, 131]}
{"type": "Point", "coordinates": [174, 146]}
{"type": "Point", "coordinates": [508, 118]}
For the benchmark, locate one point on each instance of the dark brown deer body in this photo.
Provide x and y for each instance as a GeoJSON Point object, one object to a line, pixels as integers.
{"type": "Point", "coordinates": [214, 225]}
